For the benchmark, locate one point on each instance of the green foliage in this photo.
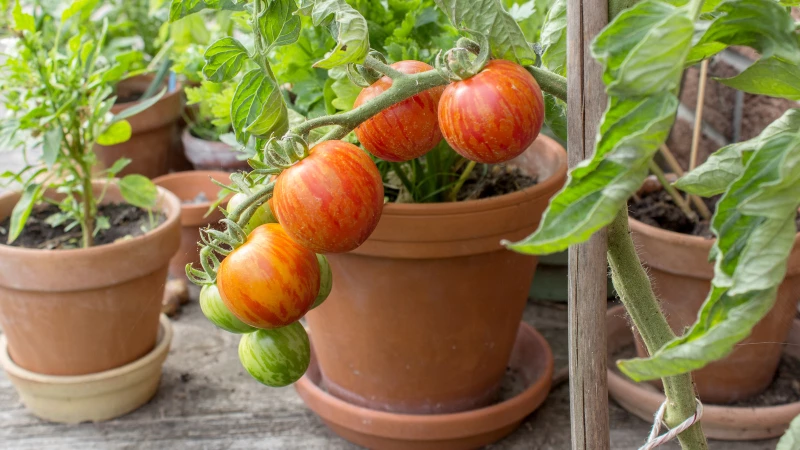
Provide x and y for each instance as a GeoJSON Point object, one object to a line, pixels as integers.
{"type": "Point", "coordinates": [139, 191]}
{"type": "Point", "coordinates": [791, 439]}
{"type": "Point", "coordinates": [252, 108]}
{"type": "Point", "coordinates": [349, 27]}
{"type": "Point", "coordinates": [224, 59]}
{"type": "Point", "coordinates": [768, 76]}
{"type": "Point", "coordinates": [183, 8]}
{"type": "Point", "coordinates": [554, 58]}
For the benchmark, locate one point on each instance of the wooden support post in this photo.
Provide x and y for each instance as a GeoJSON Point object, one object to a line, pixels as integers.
{"type": "Point", "coordinates": [587, 262]}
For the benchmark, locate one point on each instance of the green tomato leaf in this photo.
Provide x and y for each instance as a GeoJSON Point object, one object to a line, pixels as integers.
{"type": "Point", "coordinates": [768, 76]}
{"type": "Point", "coordinates": [764, 25]}
{"type": "Point", "coordinates": [258, 108]}
{"type": "Point", "coordinates": [22, 21]}
{"type": "Point", "coordinates": [139, 191]}
{"type": "Point", "coordinates": [555, 115]}
{"type": "Point", "coordinates": [22, 210]}
{"type": "Point", "coordinates": [348, 27]}
{"type": "Point", "coordinates": [791, 439]}
{"type": "Point", "coordinates": [182, 8]}
{"type": "Point", "coordinates": [224, 59]}
{"type": "Point", "coordinates": [554, 39]}
{"type": "Point", "coordinates": [279, 25]}
{"type": "Point", "coordinates": [755, 222]}
{"type": "Point", "coordinates": [489, 17]}
{"type": "Point", "coordinates": [116, 133]}
{"type": "Point", "coordinates": [51, 145]}
{"type": "Point", "coordinates": [346, 93]}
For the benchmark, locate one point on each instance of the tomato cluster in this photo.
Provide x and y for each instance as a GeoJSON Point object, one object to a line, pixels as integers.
{"type": "Point", "coordinates": [331, 201]}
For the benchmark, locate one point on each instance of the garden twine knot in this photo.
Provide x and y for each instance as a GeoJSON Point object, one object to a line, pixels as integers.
{"type": "Point", "coordinates": [654, 440]}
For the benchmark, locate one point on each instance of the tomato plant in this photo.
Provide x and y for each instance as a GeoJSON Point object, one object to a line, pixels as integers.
{"type": "Point", "coordinates": [215, 311]}
{"type": "Point", "coordinates": [270, 281]}
{"type": "Point", "coordinates": [276, 357]}
{"type": "Point", "coordinates": [261, 216]}
{"type": "Point", "coordinates": [493, 116]}
{"type": "Point", "coordinates": [405, 130]}
{"type": "Point", "coordinates": [331, 201]}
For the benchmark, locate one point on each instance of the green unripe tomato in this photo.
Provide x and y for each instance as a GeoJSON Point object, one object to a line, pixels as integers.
{"type": "Point", "coordinates": [262, 215]}
{"type": "Point", "coordinates": [277, 357]}
{"type": "Point", "coordinates": [216, 311]}
{"type": "Point", "coordinates": [325, 280]}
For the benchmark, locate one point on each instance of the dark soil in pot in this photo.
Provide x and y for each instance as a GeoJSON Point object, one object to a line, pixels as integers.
{"type": "Point", "coordinates": [126, 221]}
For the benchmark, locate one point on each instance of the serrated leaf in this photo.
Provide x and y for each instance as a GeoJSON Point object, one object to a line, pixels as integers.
{"type": "Point", "coordinates": [279, 24]}
{"type": "Point", "coordinates": [554, 39]}
{"type": "Point", "coordinates": [116, 133]}
{"type": "Point", "coordinates": [348, 27]}
{"type": "Point", "coordinates": [755, 225]}
{"type": "Point", "coordinates": [773, 77]}
{"type": "Point", "coordinates": [139, 191]}
{"type": "Point", "coordinates": [489, 17]}
{"type": "Point", "coordinates": [22, 210]}
{"type": "Point", "coordinates": [224, 59]}
{"type": "Point", "coordinates": [258, 108]}
{"type": "Point", "coordinates": [51, 145]}
{"type": "Point", "coordinates": [791, 439]}
{"type": "Point", "coordinates": [22, 20]}
{"type": "Point", "coordinates": [182, 8]}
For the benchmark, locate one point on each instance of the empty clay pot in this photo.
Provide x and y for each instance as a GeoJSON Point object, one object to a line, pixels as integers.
{"type": "Point", "coordinates": [154, 131]}
{"type": "Point", "coordinates": [678, 265]}
{"type": "Point", "coordinates": [211, 155]}
{"type": "Point", "coordinates": [82, 311]}
{"type": "Point", "coordinates": [187, 186]}
{"type": "Point", "coordinates": [423, 316]}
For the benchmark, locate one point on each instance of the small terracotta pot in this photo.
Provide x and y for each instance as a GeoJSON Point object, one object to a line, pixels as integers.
{"type": "Point", "coordinates": [186, 186]}
{"type": "Point", "coordinates": [423, 316]}
{"type": "Point", "coordinates": [94, 397]}
{"type": "Point", "coordinates": [211, 155]}
{"type": "Point", "coordinates": [82, 311]}
{"type": "Point", "coordinates": [154, 131]}
{"type": "Point", "coordinates": [678, 265]}
{"type": "Point", "coordinates": [730, 423]}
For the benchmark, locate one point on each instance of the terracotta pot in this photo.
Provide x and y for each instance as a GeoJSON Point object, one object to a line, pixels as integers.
{"type": "Point", "coordinates": [681, 274]}
{"type": "Point", "coordinates": [187, 186]}
{"type": "Point", "coordinates": [82, 311]}
{"type": "Point", "coordinates": [154, 131]}
{"type": "Point", "coordinates": [211, 155]}
{"type": "Point", "coordinates": [423, 316]}
{"type": "Point", "coordinates": [730, 423]}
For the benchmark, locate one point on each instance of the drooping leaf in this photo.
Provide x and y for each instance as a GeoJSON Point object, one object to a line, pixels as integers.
{"type": "Point", "coordinates": [773, 77]}
{"type": "Point", "coordinates": [489, 17]}
{"type": "Point", "coordinates": [138, 107]}
{"type": "Point", "coordinates": [554, 39]}
{"type": "Point", "coordinates": [51, 145]}
{"type": "Point", "coordinates": [139, 191]}
{"type": "Point", "coordinates": [755, 225]}
{"type": "Point", "coordinates": [791, 439]}
{"type": "Point", "coordinates": [116, 133]}
{"type": "Point", "coordinates": [279, 24]}
{"type": "Point", "coordinates": [348, 27]}
{"type": "Point", "coordinates": [258, 108]}
{"type": "Point", "coordinates": [224, 59]}
{"type": "Point", "coordinates": [22, 20]}
{"type": "Point", "coordinates": [182, 8]}
{"type": "Point", "coordinates": [22, 210]}
{"type": "Point", "coordinates": [642, 75]}
{"type": "Point", "coordinates": [761, 24]}
{"type": "Point", "coordinates": [555, 115]}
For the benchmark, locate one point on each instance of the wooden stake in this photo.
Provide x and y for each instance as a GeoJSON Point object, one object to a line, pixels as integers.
{"type": "Point", "coordinates": [698, 114]}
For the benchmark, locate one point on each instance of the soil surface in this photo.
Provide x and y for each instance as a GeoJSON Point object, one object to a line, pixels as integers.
{"type": "Point", "coordinates": [125, 220]}
{"type": "Point", "coordinates": [492, 180]}
{"type": "Point", "coordinates": [785, 388]}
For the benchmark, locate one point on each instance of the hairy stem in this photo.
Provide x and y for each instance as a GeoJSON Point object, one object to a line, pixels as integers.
{"type": "Point", "coordinates": [379, 66]}
{"type": "Point", "coordinates": [636, 293]}
{"type": "Point", "coordinates": [550, 82]}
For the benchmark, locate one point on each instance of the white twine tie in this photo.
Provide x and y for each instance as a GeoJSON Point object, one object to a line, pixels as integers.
{"type": "Point", "coordinates": [654, 440]}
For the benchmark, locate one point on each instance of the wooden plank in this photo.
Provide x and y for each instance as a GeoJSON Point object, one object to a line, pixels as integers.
{"type": "Point", "coordinates": [587, 262]}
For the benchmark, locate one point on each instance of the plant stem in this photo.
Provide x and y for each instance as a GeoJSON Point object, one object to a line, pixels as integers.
{"type": "Point", "coordinates": [379, 66]}
{"type": "Point", "coordinates": [550, 82]}
{"type": "Point", "coordinates": [705, 213]}
{"type": "Point", "coordinates": [634, 289]}
{"type": "Point", "coordinates": [676, 196]}
{"type": "Point", "coordinates": [460, 182]}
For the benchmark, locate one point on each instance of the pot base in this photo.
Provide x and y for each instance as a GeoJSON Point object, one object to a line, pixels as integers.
{"type": "Point", "coordinates": [94, 397]}
{"type": "Point", "coordinates": [729, 423]}
{"type": "Point", "coordinates": [379, 430]}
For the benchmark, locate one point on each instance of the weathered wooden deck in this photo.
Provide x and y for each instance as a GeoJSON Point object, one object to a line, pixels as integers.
{"type": "Point", "coordinates": [207, 401]}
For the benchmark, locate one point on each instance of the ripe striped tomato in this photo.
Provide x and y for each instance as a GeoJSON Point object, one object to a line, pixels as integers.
{"type": "Point", "coordinates": [331, 201]}
{"type": "Point", "coordinates": [270, 281]}
{"type": "Point", "coordinates": [276, 357]}
{"type": "Point", "coordinates": [493, 116]}
{"type": "Point", "coordinates": [406, 130]}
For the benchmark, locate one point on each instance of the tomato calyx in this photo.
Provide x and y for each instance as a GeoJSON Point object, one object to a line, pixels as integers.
{"type": "Point", "coordinates": [466, 59]}
{"type": "Point", "coordinates": [285, 152]}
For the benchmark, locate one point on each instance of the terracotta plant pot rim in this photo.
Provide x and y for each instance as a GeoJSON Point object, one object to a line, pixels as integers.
{"type": "Point", "coordinates": [163, 196]}
{"type": "Point", "coordinates": [172, 96]}
{"type": "Point", "coordinates": [163, 343]}
{"type": "Point", "coordinates": [439, 426]}
{"type": "Point", "coordinates": [734, 418]}
{"type": "Point", "coordinates": [193, 209]}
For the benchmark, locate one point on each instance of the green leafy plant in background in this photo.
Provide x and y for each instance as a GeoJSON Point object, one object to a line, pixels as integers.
{"type": "Point", "coordinates": [58, 93]}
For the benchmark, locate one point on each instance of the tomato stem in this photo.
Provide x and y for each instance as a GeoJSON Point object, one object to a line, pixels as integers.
{"type": "Point", "coordinates": [375, 64]}
{"type": "Point", "coordinates": [550, 82]}
{"type": "Point", "coordinates": [460, 182]}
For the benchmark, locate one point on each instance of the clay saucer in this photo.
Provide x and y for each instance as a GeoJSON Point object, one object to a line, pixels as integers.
{"type": "Point", "coordinates": [729, 423]}
{"type": "Point", "coordinates": [531, 358]}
